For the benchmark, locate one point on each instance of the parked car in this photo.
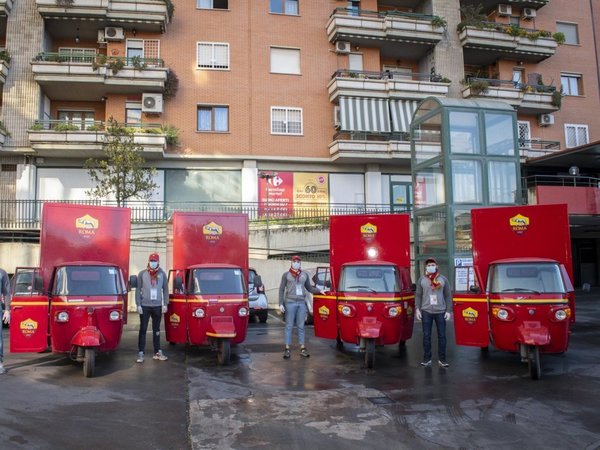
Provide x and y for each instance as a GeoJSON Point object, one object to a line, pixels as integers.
{"type": "Point", "coordinates": [257, 297]}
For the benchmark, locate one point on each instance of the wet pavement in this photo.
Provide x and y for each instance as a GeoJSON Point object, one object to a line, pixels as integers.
{"type": "Point", "coordinates": [330, 400]}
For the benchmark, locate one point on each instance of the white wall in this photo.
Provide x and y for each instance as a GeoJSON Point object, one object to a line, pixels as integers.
{"type": "Point", "coordinates": [346, 188]}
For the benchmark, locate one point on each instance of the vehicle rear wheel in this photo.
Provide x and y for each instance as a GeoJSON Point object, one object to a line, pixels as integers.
{"type": "Point", "coordinates": [339, 344]}
{"type": "Point", "coordinates": [370, 353]}
{"type": "Point", "coordinates": [533, 359]}
{"type": "Point", "coordinates": [263, 315]}
{"type": "Point", "coordinates": [223, 352]}
{"type": "Point", "coordinates": [89, 362]}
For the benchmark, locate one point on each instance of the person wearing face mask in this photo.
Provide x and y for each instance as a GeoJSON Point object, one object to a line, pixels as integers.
{"type": "Point", "coordinates": [292, 293]}
{"type": "Point", "coordinates": [433, 302]}
{"type": "Point", "coordinates": [151, 298]}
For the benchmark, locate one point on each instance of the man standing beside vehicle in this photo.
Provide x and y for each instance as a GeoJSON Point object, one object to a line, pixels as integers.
{"type": "Point", "coordinates": [5, 297]}
{"type": "Point", "coordinates": [292, 302]}
{"type": "Point", "coordinates": [151, 298]}
{"type": "Point", "coordinates": [433, 303]}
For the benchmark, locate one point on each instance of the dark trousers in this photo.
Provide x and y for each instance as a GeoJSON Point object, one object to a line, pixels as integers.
{"type": "Point", "coordinates": [440, 325]}
{"type": "Point", "coordinates": [156, 313]}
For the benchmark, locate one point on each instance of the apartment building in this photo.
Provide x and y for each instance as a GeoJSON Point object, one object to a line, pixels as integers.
{"type": "Point", "coordinates": [311, 98]}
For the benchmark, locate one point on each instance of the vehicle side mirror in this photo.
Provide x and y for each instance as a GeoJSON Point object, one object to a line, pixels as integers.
{"type": "Point", "coordinates": [475, 290]}
{"type": "Point", "coordinates": [38, 283]}
{"type": "Point", "coordinates": [257, 281]}
{"type": "Point", "coordinates": [133, 279]}
{"type": "Point", "coordinates": [178, 283]}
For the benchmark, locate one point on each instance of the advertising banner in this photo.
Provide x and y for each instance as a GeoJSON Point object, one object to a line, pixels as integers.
{"type": "Point", "coordinates": [289, 193]}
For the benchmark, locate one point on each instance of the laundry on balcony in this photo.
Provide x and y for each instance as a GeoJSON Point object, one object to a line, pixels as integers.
{"type": "Point", "coordinates": [364, 114]}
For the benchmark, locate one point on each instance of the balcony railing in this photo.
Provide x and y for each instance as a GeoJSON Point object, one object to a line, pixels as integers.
{"type": "Point", "coordinates": [560, 180]}
{"type": "Point", "coordinates": [26, 214]}
{"type": "Point", "coordinates": [101, 60]}
{"type": "Point", "coordinates": [394, 25]}
{"type": "Point", "coordinates": [532, 148]}
{"type": "Point", "coordinates": [93, 125]}
{"type": "Point", "coordinates": [368, 136]}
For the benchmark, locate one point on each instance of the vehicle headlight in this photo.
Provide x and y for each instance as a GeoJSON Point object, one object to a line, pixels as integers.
{"type": "Point", "coordinates": [114, 315]}
{"type": "Point", "coordinates": [502, 314]}
{"type": "Point", "coordinates": [243, 311]}
{"type": "Point", "coordinates": [393, 311]}
{"type": "Point", "coordinates": [560, 314]}
{"type": "Point", "coordinates": [346, 311]}
{"type": "Point", "coordinates": [199, 312]}
{"type": "Point", "coordinates": [62, 316]}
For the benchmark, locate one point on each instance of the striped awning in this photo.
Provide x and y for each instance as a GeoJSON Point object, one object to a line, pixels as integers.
{"type": "Point", "coordinates": [364, 114]}
{"type": "Point", "coordinates": [402, 112]}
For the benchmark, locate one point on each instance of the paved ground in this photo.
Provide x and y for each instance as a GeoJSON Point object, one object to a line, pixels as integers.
{"type": "Point", "coordinates": [326, 401]}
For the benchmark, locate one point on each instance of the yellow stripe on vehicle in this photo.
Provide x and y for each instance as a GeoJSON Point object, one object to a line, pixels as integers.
{"type": "Point", "coordinates": [13, 303]}
{"type": "Point", "coordinates": [472, 300]}
{"type": "Point", "coordinates": [530, 301]}
{"type": "Point", "coordinates": [221, 335]}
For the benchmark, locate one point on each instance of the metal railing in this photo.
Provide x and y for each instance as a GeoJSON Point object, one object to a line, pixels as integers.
{"type": "Point", "coordinates": [527, 87]}
{"type": "Point", "coordinates": [532, 148]}
{"type": "Point", "coordinates": [510, 29]}
{"type": "Point", "coordinates": [387, 75]}
{"type": "Point", "coordinates": [92, 125]}
{"type": "Point", "coordinates": [26, 214]}
{"type": "Point", "coordinates": [100, 60]}
{"type": "Point", "coordinates": [561, 180]}
{"type": "Point", "coordinates": [383, 14]}
{"type": "Point", "coordinates": [371, 136]}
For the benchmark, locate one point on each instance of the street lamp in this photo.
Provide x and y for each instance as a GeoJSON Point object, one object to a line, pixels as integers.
{"type": "Point", "coordinates": [267, 176]}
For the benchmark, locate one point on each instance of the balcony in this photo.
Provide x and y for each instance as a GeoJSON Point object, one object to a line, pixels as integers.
{"type": "Point", "coordinates": [489, 41]}
{"type": "Point", "coordinates": [408, 34]}
{"type": "Point", "coordinates": [534, 148]}
{"type": "Point", "coordinates": [5, 7]}
{"type": "Point", "coordinates": [370, 147]}
{"type": "Point", "coordinates": [488, 5]}
{"type": "Point", "coordinates": [146, 15]}
{"type": "Point", "coordinates": [580, 193]}
{"type": "Point", "coordinates": [527, 98]}
{"type": "Point", "coordinates": [85, 78]}
{"type": "Point", "coordinates": [416, 86]}
{"type": "Point", "coordinates": [55, 138]}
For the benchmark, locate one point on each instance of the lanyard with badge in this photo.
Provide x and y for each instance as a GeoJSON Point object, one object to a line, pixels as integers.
{"type": "Point", "coordinates": [299, 290]}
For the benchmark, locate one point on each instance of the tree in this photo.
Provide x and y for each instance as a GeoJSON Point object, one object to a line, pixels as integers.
{"type": "Point", "coordinates": [121, 171]}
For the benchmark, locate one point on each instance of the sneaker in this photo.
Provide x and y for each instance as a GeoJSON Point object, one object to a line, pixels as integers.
{"type": "Point", "coordinates": [443, 363]}
{"type": "Point", "coordinates": [286, 353]}
{"type": "Point", "coordinates": [140, 358]}
{"type": "Point", "coordinates": [160, 356]}
{"type": "Point", "coordinates": [304, 352]}
{"type": "Point", "coordinates": [2, 369]}
{"type": "Point", "coordinates": [426, 363]}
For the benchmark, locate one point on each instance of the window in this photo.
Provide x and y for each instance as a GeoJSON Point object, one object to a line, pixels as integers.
{"type": "Point", "coordinates": [353, 7]}
{"type": "Point", "coordinates": [288, 7]}
{"type": "Point", "coordinates": [571, 84]}
{"type": "Point", "coordinates": [286, 120]}
{"type": "Point", "coordinates": [466, 181]}
{"type": "Point", "coordinates": [77, 55]}
{"type": "Point", "coordinates": [464, 132]}
{"type": "Point", "coordinates": [213, 55]}
{"type": "Point", "coordinates": [524, 134]}
{"type": "Point", "coordinates": [498, 134]}
{"type": "Point", "coordinates": [81, 119]}
{"type": "Point", "coordinates": [133, 113]}
{"type": "Point", "coordinates": [213, 118]}
{"type": "Point", "coordinates": [355, 61]}
{"type": "Point", "coordinates": [502, 182]}
{"type": "Point", "coordinates": [212, 4]}
{"type": "Point", "coordinates": [576, 135]}
{"type": "Point", "coordinates": [570, 31]}
{"type": "Point", "coordinates": [148, 49]}
{"type": "Point", "coordinates": [285, 60]}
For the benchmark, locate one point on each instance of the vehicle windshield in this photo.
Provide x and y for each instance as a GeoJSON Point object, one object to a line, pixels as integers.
{"type": "Point", "coordinates": [217, 281]}
{"type": "Point", "coordinates": [369, 279]}
{"type": "Point", "coordinates": [538, 278]}
{"type": "Point", "coordinates": [88, 280]}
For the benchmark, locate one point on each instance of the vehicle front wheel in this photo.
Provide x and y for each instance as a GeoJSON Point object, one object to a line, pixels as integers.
{"type": "Point", "coordinates": [370, 353]}
{"type": "Point", "coordinates": [223, 352]}
{"type": "Point", "coordinates": [533, 359]}
{"type": "Point", "coordinates": [89, 362]}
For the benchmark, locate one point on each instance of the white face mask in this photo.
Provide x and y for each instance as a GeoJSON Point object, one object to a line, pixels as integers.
{"type": "Point", "coordinates": [431, 269]}
{"type": "Point", "coordinates": [295, 265]}
{"type": "Point", "coordinates": [153, 264]}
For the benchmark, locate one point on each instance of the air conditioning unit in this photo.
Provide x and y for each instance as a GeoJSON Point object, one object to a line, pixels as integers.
{"type": "Point", "coordinates": [114, 34]}
{"type": "Point", "coordinates": [101, 39]}
{"type": "Point", "coordinates": [337, 122]}
{"type": "Point", "coordinates": [504, 10]}
{"type": "Point", "coordinates": [152, 103]}
{"type": "Point", "coordinates": [545, 119]}
{"type": "Point", "coordinates": [342, 47]}
{"type": "Point", "coordinates": [528, 13]}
